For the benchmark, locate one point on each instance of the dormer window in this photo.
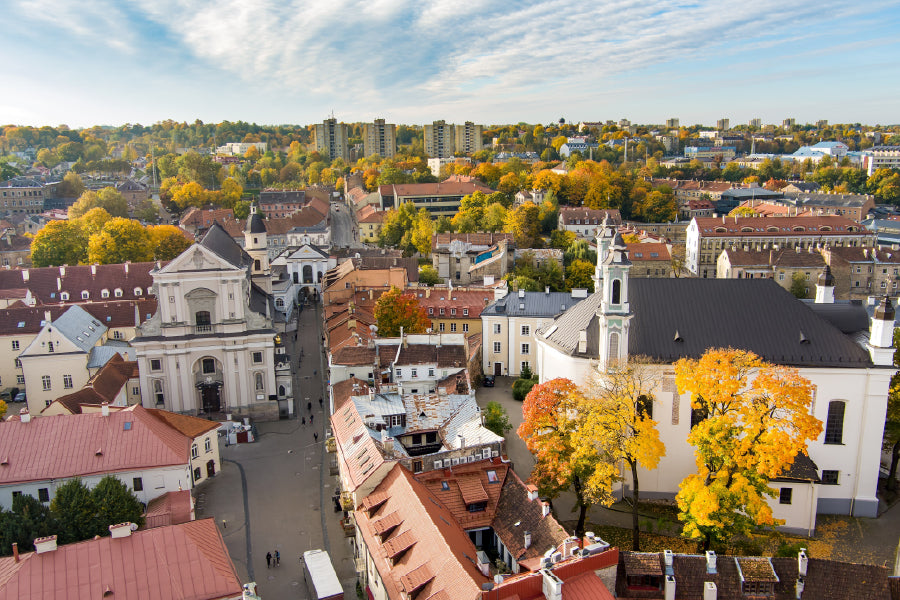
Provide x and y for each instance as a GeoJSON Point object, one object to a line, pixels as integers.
{"type": "Point", "coordinates": [137, 291]}
{"type": "Point", "coordinates": [64, 296]}
{"type": "Point", "coordinates": [103, 294]}
{"type": "Point", "coordinates": [85, 294]}
{"type": "Point", "coordinates": [118, 292]}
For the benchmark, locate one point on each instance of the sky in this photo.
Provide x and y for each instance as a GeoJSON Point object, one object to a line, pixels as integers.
{"type": "Point", "coordinates": [111, 62]}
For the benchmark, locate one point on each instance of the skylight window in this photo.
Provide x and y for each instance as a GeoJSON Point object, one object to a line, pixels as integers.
{"type": "Point", "coordinates": [22, 324]}
{"type": "Point", "coordinates": [126, 426]}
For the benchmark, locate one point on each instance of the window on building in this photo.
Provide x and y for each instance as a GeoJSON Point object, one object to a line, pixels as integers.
{"type": "Point", "coordinates": [526, 348]}
{"type": "Point", "coordinates": [834, 426]}
{"type": "Point", "coordinates": [18, 363]}
{"type": "Point", "coordinates": [414, 373]}
{"type": "Point", "coordinates": [104, 293]}
{"type": "Point", "coordinates": [118, 292]}
{"type": "Point", "coordinates": [195, 451]}
{"type": "Point", "coordinates": [442, 312]}
{"type": "Point", "coordinates": [399, 373]}
{"type": "Point", "coordinates": [20, 379]}
{"type": "Point", "coordinates": [67, 382]}
{"type": "Point", "coordinates": [138, 291]}
{"type": "Point", "coordinates": [85, 294]}
{"type": "Point", "coordinates": [830, 477]}
{"type": "Point", "coordinates": [526, 330]}
{"type": "Point", "coordinates": [207, 445]}
{"type": "Point", "coordinates": [208, 366]}
{"type": "Point", "coordinates": [156, 364]}
{"type": "Point", "coordinates": [452, 327]}
{"type": "Point", "coordinates": [259, 382]}
{"type": "Point", "coordinates": [525, 365]}
{"type": "Point", "coordinates": [616, 291]}
{"type": "Point", "coordinates": [45, 382]}
{"type": "Point", "coordinates": [257, 358]}
{"type": "Point", "coordinates": [158, 392]}
{"type": "Point", "coordinates": [784, 497]}
{"type": "Point", "coordinates": [465, 328]}
{"type": "Point", "coordinates": [15, 344]}
{"type": "Point", "coordinates": [496, 347]}
{"type": "Point", "coordinates": [613, 346]}
{"type": "Point", "coordinates": [430, 310]}
{"type": "Point", "coordinates": [417, 466]}
{"type": "Point", "coordinates": [44, 494]}
{"type": "Point", "coordinates": [198, 474]}
{"type": "Point", "coordinates": [492, 477]}
{"type": "Point", "coordinates": [441, 327]}
{"type": "Point", "coordinates": [496, 327]}
{"type": "Point", "coordinates": [477, 507]}
{"type": "Point", "coordinates": [50, 347]}
{"type": "Point", "coordinates": [137, 484]}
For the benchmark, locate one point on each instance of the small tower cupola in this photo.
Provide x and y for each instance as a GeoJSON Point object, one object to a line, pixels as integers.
{"type": "Point", "coordinates": [881, 336]}
{"type": "Point", "coordinates": [615, 312]}
{"type": "Point", "coordinates": [605, 235]}
{"type": "Point", "coordinates": [825, 287]}
{"type": "Point", "coordinates": [256, 245]}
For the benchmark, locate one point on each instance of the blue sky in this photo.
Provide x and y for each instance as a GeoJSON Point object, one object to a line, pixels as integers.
{"type": "Point", "coordinates": [89, 62]}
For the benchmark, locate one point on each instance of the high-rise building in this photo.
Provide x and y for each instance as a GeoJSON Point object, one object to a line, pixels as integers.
{"type": "Point", "coordinates": [723, 124]}
{"type": "Point", "coordinates": [380, 138]}
{"type": "Point", "coordinates": [468, 137]}
{"type": "Point", "coordinates": [757, 123]}
{"type": "Point", "coordinates": [821, 123]}
{"type": "Point", "coordinates": [672, 123]}
{"type": "Point", "coordinates": [331, 140]}
{"type": "Point", "coordinates": [788, 123]}
{"type": "Point", "coordinates": [440, 140]}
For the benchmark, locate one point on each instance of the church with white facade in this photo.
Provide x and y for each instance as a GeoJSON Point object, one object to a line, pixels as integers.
{"type": "Point", "coordinates": [847, 355]}
{"type": "Point", "coordinates": [211, 349]}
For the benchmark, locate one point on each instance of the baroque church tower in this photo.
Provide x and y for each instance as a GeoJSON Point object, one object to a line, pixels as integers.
{"type": "Point", "coordinates": [615, 314]}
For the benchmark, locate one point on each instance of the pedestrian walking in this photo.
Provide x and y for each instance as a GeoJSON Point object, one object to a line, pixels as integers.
{"type": "Point", "coordinates": [320, 402]}
{"type": "Point", "coordinates": [309, 406]}
{"type": "Point", "coordinates": [316, 436]}
{"type": "Point", "coordinates": [277, 558]}
{"type": "Point", "coordinates": [311, 419]}
{"type": "Point", "coordinates": [303, 420]}
{"type": "Point", "coordinates": [268, 560]}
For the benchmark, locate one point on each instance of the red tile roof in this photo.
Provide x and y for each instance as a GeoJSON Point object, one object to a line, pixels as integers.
{"type": "Point", "coordinates": [171, 508]}
{"type": "Point", "coordinates": [442, 559]}
{"type": "Point", "coordinates": [355, 447]}
{"type": "Point", "coordinates": [64, 446]}
{"type": "Point", "coordinates": [468, 484]}
{"type": "Point", "coordinates": [44, 281]}
{"type": "Point", "coordinates": [645, 252]}
{"type": "Point", "coordinates": [781, 226]}
{"type": "Point", "coordinates": [453, 303]}
{"type": "Point", "coordinates": [104, 386]}
{"type": "Point", "coordinates": [476, 239]}
{"type": "Point", "coordinates": [186, 424]}
{"type": "Point", "coordinates": [187, 561]}
{"type": "Point", "coordinates": [203, 218]}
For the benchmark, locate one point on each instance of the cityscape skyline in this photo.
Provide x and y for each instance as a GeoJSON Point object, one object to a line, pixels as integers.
{"type": "Point", "coordinates": [110, 63]}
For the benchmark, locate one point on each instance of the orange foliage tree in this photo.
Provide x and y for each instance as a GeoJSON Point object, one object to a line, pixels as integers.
{"type": "Point", "coordinates": [549, 429]}
{"type": "Point", "coordinates": [757, 420]}
{"type": "Point", "coordinates": [394, 310]}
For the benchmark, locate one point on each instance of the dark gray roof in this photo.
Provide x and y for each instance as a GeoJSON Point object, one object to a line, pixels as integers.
{"type": "Point", "coordinates": [256, 224]}
{"type": "Point", "coordinates": [850, 316]}
{"type": "Point", "coordinates": [531, 304]}
{"type": "Point", "coordinates": [80, 327]}
{"type": "Point", "coordinates": [749, 314]}
{"type": "Point", "coordinates": [802, 469]}
{"type": "Point", "coordinates": [218, 241]}
{"type": "Point", "coordinates": [563, 333]}
{"type": "Point", "coordinates": [259, 300]}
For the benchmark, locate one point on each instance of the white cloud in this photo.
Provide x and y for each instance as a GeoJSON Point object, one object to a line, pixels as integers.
{"type": "Point", "coordinates": [99, 21]}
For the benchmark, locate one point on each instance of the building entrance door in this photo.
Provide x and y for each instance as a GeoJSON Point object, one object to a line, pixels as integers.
{"type": "Point", "coordinates": [209, 395]}
{"type": "Point", "coordinates": [498, 368]}
{"type": "Point", "coordinates": [210, 468]}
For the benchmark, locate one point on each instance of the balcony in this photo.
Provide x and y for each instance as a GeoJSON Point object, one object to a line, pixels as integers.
{"type": "Point", "coordinates": [203, 328]}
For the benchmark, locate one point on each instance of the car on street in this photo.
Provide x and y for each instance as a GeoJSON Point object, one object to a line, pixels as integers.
{"type": "Point", "coordinates": [488, 381]}
{"type": "Point", "coordinates": [20, 397]}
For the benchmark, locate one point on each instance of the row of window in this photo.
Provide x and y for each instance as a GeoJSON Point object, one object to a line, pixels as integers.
{"type": "Point", "coordinates": [525, 349]}
{"type": "Point", "coordinates": [525, 330]}
{"type": "Point", "coordinates": [86, 295]}
{"type": "Point", "coordinates": [207, 365]}
{"type": "Point", "coordinates": [465, 311]}
{"type": "Point", "coordinates": [47, 383]}
{"type": "Point", "coordinates": [413, 373]}
{"type": "Point", "coordinates": [441, 327]}
{"type": "Point", "coordinates": [195, 449]}
{"type": "Point", "coordinates": [137, 485]}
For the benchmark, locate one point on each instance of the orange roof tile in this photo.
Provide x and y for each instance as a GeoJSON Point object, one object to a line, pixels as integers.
{"type": "Point", "coordinates": [171, 508]}
{"type": "Point", "coordinates": [186, 424]}
{"type": "Point", "coordinates": [399, 544]}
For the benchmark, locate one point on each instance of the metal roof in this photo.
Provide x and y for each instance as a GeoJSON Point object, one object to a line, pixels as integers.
{"type": "Point", "coordinates": [80, 327]}
{"type": "Point", "coordinates": [531, 304]}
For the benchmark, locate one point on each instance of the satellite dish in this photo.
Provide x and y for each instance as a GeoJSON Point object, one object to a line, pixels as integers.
{"type": "Point", "coordinates": [134, 527]}
{"type": "Point", "coordinates": [373, 328]}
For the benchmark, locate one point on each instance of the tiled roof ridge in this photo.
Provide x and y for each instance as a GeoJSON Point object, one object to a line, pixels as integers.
{"type": "Point", "coordinates": [166, 433]}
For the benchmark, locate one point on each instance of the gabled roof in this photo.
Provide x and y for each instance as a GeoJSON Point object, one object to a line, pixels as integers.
{"type": "Point", "coordinates": [187, 561]}
{"type": "Point", "coordinates": [825, 225]}
{"type": "Point", "coordinates": [48, 283]}
{"type": "Point", "coordinates": [218, 241]}
{"type": "Point", "coordinates": [80, 327]}
{"type": "Point", "coordinates": [187, 425]}
{"type": "Point", "coordinates": [516, 514]}
{"type": "Point", "coordinates": [355, 446]}
{"type": "Point", "coordinates": [65, 446]}
{"type": "Point", "coordinates": [104, 386]}
{"type": "Point", "coordinates": [468, 484]}
{"type": "Point", "coordinates": [714, 313]}
{"type": "Point", "coordinates": [439, 558]}
{"type": "Point", "coordinates": [171, 508]}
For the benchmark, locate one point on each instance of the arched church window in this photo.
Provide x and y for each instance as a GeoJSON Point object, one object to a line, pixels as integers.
{"type": "Point", "coordinates": [307, 274]}
{"type": "Point", "coordinates": [259, 381]}
{"type": "Point", "coordinates": [617, 291]}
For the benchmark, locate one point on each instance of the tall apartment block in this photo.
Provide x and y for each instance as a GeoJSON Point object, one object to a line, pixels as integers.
{"type": "Point", "coordinates": [468, 137]}
{"type": "Point", "coordinates": [757, 123]}
{"type": "Point", "coordinates": [331, 140]}
{"type": "Point", "coordinates": [672, 123]}
{"type": "Point", "coordinates": [440, 140]}
{"type": "Point", "coordinates": [380, 138]}
{"type": "Point", "coordinates": [723, 124]}
{"type": "Point", "coordinates": [788, 123]}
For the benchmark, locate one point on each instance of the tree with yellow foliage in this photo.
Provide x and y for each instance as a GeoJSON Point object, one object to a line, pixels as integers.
{"type": "Point", "coordinates": [616, 422]}
{"type": "Point", "coordinates": [750, 420]}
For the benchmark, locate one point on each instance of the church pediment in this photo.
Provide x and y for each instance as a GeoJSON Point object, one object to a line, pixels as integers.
{"type": "Point", "coordinates": [307, 252]}
{"type": "Point", "coordinates": [197, 258]}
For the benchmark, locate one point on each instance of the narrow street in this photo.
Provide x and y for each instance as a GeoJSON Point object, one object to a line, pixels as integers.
{"type": "Point", "coordinates": [286, 486]}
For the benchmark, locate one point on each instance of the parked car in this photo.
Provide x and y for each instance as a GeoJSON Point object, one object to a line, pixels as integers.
{"type": "Point", "coordinates": [20, 397]}
{"type": "Point", "coordinates": [488, 381]}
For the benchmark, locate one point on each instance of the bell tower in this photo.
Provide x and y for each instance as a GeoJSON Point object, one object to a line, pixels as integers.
{"type": "Point", "coordinates": [605, 235]}
{"type": "Point", "coordinates": [615, 311]}
{"type": "Point", "coordinates": [256, 245]}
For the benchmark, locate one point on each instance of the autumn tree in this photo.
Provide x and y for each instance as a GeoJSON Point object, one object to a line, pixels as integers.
{"type": "Point", "coordinates": [120, 240]}
{"type": "Point", "coordinates": [108, 199]}
{"type": "Point", "coordinates": [524, 223]}
{"type": "Point", "coordinates": [167, 241]}
{"type": "Point", "coordinates": [617, 424]}
{"type": "Point", "coordinates": [71, 186]}
{"type": "Point", "coordinates": [58, 243]}
{"type": "Point", "coordinates": [580, 274]}
{"type": "Point", "coordinates": [751, 419]}
{"type": "Point", "coordinates": [394, 310]}
{"type": "Point", "coordinates": [550, 431]}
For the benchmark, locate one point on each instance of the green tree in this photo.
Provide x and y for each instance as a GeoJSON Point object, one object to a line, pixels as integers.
{"type": "Point", "coordinates": [394, 310]}
{"type": "Point", "coordinates": [74, 509]}
{"type": "Point", "coordinates": [167, 241]}
{"type": "Point", "coordinates": [241, 209]}
{"type": "Point", "coordinates": [443, 225]}
{"type": "Point", "coordinates": [562, 239]}
{"type": "Point", "coordinates": [28, 519]}
{"type": "Point", "coordinates": [59, 243]}
{"type": "Point", "coordinates": [429, 275]}
{"type": "Point", "coordinates": [120, 240]}
{"type": "Point", "coordinates": [108, 199]}
{"type": "Point", "coordinates": [71, 186]}
{"type": "Point", "coordinates": [799, 286]}
{"type": "Point", "coordinates": [115, 504]}
{"type": "Point", "coordinates": [579, 274]}
{"type": "Point", "coordinates": [496, 419]}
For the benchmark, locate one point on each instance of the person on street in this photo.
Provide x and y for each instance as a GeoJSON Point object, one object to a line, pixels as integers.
{"type": "Point", "coordinates": [303, 420]}
{"type": "Point", "coordinates": [316, 436]}
{"type": "Point", "coordinates": [311, 419]}
{"type": "Point", "coordinates": [309, 406]}
{"type": "Point", "coordinates": [268, 560]}
{"type": "Point", "coordinates": [277, 558]}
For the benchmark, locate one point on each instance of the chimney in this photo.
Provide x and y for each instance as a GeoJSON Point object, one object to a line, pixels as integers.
{"type": "Point", "coordinates": [15, 549]}
{"type": "Point", "coordinates": [25, 275]}
{"type": "Point", "coordinates": [45, 544]}
{"type": "Point", "coordinates": [710, 591]}
{"type": "Point", "coordinates": [545, 509]}
{"type": "Point", "coordinates": [521, 293]}
{"type": "Point", "coordinates": [582, 341]}
{"type": "Point", "coordinates": [388, 445]}
{"type": "Point", "coordinates": [62, 271]}
{"type": "Point", "coordinates": [48, 317]}
{"type": "Point", "coordinates": [669, 590]}
{"type": "Point", "coordinates": [120, 530]}
{"type": "Point", "coordinates": [711, 562]}
{"type": "Point", "coordinates": [668, 557]}
{"type": "Point", "coordinates": [104, 409]}
{"type": "Point", "coordinates": [532, 491]}
{"type": "Point", "coordinates": [58, 283]}
{"type": "Point", "coordinates": [93, 270]}
{"type": "Point", "coordinates": [527, 540]}
{"type": "Point", "coordinates": [462, 441]}
{"type": "Point", "coordinates": [24, 415]}
{"type": "Point", "coordinates": [547, 289]}
{"type": "Point", "coordinates": [126, 269]}
{"type": "Point", "coordinates": [802, 562]}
